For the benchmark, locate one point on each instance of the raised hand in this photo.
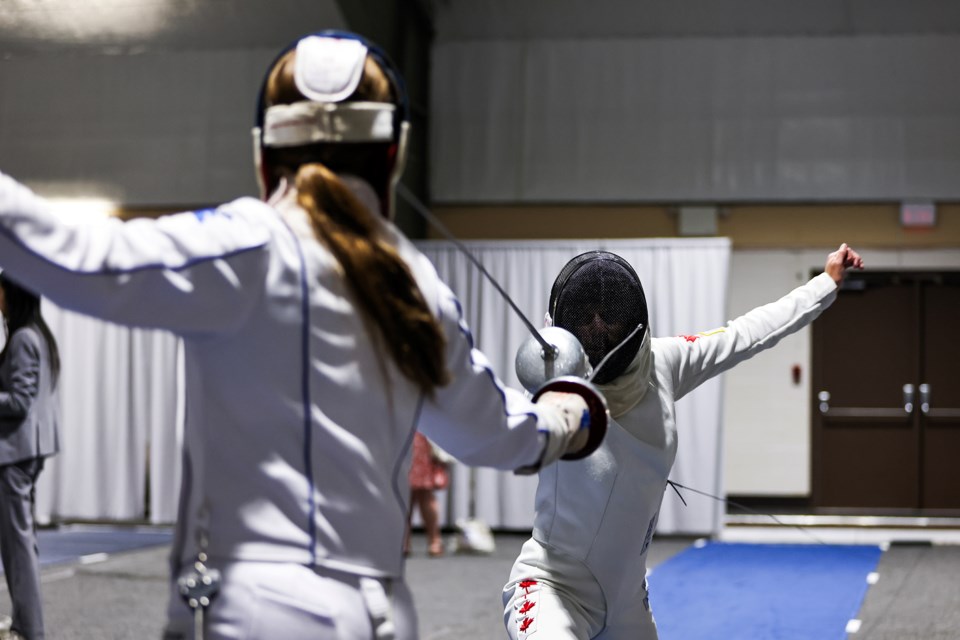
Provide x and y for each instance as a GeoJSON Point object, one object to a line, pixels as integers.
{"type": "Point", "coordinates": [840, 260]}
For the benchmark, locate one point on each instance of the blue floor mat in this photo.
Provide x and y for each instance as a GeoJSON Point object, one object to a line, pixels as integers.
{"type": "Point", "coordinates": [724, 591]}
{"type": "Point", "coordinates": [71, 544]}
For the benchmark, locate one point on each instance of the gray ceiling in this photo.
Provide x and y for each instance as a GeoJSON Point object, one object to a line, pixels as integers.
{"type": "Point", "coordinates": [55, 26]}
{"type": "Point", "coordinates": [489, 19]}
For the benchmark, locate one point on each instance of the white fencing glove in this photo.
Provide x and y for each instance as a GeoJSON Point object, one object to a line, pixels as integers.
{"type": "Point", "coordinates": [576, 422]}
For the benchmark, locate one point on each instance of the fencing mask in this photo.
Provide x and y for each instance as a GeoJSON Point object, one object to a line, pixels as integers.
{"type": "Point", "coordinates": [599, 299]}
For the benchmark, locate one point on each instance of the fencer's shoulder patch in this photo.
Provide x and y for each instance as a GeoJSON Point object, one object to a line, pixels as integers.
{"type": "Point", "coordinates": [184, 239]}
{"type": "Point", "coordinates": [703, 334]}
{"type": "Point", "coordinates": [204, 214]}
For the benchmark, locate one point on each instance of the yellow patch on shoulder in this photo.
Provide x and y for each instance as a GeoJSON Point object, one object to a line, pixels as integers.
{"type": "Point", "coordinates": [713, 332]}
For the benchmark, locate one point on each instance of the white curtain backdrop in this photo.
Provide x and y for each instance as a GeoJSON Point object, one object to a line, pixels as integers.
{"type": "Point", "coordinates": [121, 389]}
{"type": "Point", "coordinates": [120, 423]}
{"type": "Point", "coordinates": [685, 281]}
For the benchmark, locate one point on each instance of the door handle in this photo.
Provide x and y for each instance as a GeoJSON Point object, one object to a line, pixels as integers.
{"type": "Point", "coordinates": [949, 415]}
{"type": "Point", "coordinates": [925, 398]}
{"type": "Point", "coordinates": [896, 414]}
{"type": "Point", "coordinates": [908, 397]}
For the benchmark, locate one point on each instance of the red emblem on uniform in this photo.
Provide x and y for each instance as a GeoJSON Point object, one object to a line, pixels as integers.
{"type": "Point", "coordinates": [690, 338]}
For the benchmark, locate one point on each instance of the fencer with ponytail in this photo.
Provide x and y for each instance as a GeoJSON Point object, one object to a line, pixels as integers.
{"type": "Point", "coordinates": [380, 280]}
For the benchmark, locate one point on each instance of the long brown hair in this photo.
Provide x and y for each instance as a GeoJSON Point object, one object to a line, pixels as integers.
{"type": "Point", "coordinates": [380, 280]}
{"type": "Point", "coordinates": [23, 309]}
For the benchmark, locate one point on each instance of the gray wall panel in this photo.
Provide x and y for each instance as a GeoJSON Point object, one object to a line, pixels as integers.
{"type": "Point", "coordinates": [697, 119]}
{"type": "Point", "coordinates": [476, 145]}
{"type": "Point", "coordinates": [142, 129]}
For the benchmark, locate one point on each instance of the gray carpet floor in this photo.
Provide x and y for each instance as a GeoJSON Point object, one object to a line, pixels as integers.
{"type": "Point", "coordinates": [458, 596]}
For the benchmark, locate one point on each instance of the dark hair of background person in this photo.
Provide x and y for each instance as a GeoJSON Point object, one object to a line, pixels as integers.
{"type": "Point", "coordinates": [23, 309]}
{"type": "Point", "coordinates": [380, 280]}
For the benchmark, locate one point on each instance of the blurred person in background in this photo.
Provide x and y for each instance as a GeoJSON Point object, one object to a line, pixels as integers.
{"type": "Point", "coordinates": [429, 473]}
{"type": "Point", "coordinates": [29, 433]}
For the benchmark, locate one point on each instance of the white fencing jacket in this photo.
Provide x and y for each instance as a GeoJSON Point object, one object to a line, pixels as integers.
{"type": "Point", "coordinates": [298, 425]}
{"type": "Point", "coordinates": [595, 517]}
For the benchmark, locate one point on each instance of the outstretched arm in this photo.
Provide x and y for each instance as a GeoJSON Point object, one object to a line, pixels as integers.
{"type": "Point", "coordinates": [481, 422]}
{"type": "Point", "coordinates": [700, 357]}
{"type": "Point", "coordinates": [191, 272]}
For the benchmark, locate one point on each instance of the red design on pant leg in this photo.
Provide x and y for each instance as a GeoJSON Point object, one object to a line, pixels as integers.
{"type": "Point", "coordinates": [689, 338]}
{"type": "Point", "coordinates": [524, 606]}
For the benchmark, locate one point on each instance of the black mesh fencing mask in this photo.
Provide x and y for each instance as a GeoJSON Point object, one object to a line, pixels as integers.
{"type": "Point", "coordinates": [599, 299]}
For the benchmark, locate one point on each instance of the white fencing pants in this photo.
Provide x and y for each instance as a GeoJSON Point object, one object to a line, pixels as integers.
{"type": "Point", "coordinates": [539, 607]}
{"type": "Point", "coordinates": [266, 601]}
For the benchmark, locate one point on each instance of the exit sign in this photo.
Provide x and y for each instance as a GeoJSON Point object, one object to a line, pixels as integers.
{"type": "Point", "coordinates": [918, 215]}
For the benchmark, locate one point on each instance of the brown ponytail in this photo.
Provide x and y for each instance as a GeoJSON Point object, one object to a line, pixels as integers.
{"type": "Point", "coordinates": [385, 289]}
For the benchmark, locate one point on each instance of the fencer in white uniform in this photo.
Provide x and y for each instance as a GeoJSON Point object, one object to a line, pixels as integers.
{"type": "Point", "coordinates": [299, 421]}
{"type": "Point", "coordinates": [582, 573]}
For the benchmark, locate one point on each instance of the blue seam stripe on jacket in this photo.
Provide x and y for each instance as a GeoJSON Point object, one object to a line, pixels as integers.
{"type": "Point", "coordinates": [305, 393]}
{"type": "Point", "coordinates": [493, 377]}
{"type": "Point", "coordinates": [401, 501]}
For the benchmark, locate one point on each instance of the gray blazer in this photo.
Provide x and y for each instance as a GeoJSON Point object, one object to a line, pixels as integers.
{"type": "Point", "coordinates": [29, 406]}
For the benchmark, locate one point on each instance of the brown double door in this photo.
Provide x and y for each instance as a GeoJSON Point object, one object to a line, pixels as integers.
{"type": "Point", "coordinates": [886, 396]}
